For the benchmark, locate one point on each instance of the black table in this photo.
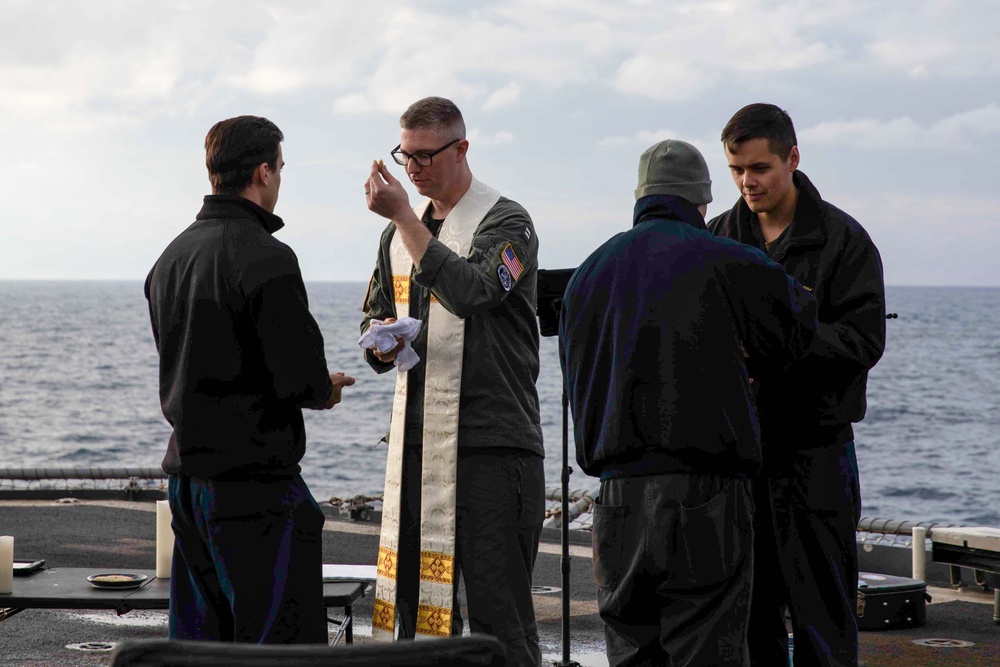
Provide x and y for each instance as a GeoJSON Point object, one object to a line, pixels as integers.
{"type": "Point", "coordinates": [68, 588]}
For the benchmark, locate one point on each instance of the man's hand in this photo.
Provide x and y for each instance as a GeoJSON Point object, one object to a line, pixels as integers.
{"type": "Point", "coordinates": [390, 356]}
{"type": "Point", "coordinates": [386, 195]}
{"type": "Point", "coordinates": [339, 381]}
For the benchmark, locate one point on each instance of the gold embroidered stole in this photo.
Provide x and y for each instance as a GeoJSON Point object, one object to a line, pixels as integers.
{"type": "Point", "coordinates": [442, 387]}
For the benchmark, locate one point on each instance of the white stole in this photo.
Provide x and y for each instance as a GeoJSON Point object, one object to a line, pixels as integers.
{"type": "Point", "coordinates": [442, 389]}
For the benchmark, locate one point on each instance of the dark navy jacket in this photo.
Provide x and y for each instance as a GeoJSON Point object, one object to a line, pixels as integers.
{"type": "Point", "coordinates": [814, 402]}
{"type": "Point", "coordinates": [240, 355]}
{"type": "Point", "coordinates": [652, 335]}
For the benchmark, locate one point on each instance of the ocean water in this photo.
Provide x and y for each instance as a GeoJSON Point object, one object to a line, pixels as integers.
{"type": "Point", "coordinates": [78, 388]}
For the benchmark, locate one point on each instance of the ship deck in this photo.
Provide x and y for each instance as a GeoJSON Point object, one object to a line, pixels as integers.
{"type": "Point", "coordinates": [111, 535]}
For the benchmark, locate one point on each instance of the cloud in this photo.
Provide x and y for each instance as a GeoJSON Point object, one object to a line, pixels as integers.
{"type": "Point", "coordinates": [682, 53]}
{"type": "Point", "coordinates": [269, 80]}
{"type": "Point", "coordinates": [666, 78]}
{"type": "Point", "coordinates": [87, 66]}
{"type": "Point", "coordinates": [938, 39]}
{"type": "Point", "coordinates": [127, 62]}
{"type": "Point", "coordinates": [317, 45]}
{"type": "Point", "coordinates": [984, 121]}
{"type": "Point", "coordinates": [505, 96]}
{"type": "Point", "coordinates": [481, 139]}
{"type": "Point", "coordinates": [919, 243]}
{"type": "Point", "coordinates": [640, 138]}
{"type": "Point", "coordinates": [353, 104]}
{"type": "Point", "coordinates": [643, 139]}
{"type": "Point", "coordinates": [959, 132]}
{"type": "Point", "coordinates": [110, 102]}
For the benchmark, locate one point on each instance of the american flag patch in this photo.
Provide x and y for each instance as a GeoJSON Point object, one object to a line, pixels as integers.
{"type": "Point", "coordinates": [511, 261]}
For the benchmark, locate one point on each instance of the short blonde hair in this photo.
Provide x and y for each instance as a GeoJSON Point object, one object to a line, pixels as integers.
{"type": "Point", "coordinates": [435, 113]}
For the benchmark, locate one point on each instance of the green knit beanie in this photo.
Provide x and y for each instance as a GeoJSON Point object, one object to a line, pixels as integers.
{"type": "Point", "coordinates": [677, 168]}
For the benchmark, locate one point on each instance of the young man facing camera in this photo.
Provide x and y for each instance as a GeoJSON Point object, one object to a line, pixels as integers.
{"type": "Point", "coordinates": [807, 498]}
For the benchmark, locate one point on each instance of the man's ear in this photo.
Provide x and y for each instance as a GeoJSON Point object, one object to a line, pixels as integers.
{"type": "Point", "coordinates": [461, 148]}
{"type": "Point", "coordinates": [793, 158]}
{"type": "Point", "coordinates": [261, 174]}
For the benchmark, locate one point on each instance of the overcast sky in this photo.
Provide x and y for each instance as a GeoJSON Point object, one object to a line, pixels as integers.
{"type": "Point", "coordinates": [104, 107]}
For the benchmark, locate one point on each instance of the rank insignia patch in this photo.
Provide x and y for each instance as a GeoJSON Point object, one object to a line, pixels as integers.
{"type": "Point", "coordinates": [511, 261]}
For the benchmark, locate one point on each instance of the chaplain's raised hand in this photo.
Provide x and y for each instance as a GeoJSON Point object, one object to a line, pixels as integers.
{"type": "Point", "coordinates": [386, 195]}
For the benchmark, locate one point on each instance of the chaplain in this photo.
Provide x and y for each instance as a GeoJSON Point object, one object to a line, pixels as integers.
{"type": "Point", "coordinates": [464, 486]}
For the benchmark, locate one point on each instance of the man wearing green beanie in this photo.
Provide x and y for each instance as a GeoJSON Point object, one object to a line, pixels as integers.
{"type": "Point", "coordinates": [655, 332]}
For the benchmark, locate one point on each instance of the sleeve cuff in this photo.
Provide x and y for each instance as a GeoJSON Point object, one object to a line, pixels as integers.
{"type": "Point", "coordinates": [432, 261]}
{"type": "Point", "coordinates": [378, 366]}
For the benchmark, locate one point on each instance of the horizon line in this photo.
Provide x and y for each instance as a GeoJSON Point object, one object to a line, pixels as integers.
{"type": "Point", "coordinates": [363, 282]}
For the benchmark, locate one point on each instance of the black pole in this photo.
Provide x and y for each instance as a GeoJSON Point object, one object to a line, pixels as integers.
{"type": "Point", "coordinates": [565, 562]}
{"type": "Point", "coordinates": [551, 287]}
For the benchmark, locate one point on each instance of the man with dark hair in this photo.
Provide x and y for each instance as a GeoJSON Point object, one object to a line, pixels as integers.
{"type": "Point", "coordinates": [808, 496]}
{"type": "Point", "coordinates": [235, 147]}
{"type": "Point", "coordinates": [654, 331]}
{"type": "Point", "coordinates": [464, 491]}
{"type": "Point", "coordinates": [240, 356]}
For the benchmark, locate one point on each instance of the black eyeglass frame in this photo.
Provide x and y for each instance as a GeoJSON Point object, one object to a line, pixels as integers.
{"type": "Point", "coordinates": [401, 157]}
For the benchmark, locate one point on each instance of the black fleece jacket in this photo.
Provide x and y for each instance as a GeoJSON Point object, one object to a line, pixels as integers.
{"type": "Point", "coordinates": [814, 402]}
{"type": "Point", "coordinates": [240, 355]}
{"type": "Point", "coordinates": [652, 335]}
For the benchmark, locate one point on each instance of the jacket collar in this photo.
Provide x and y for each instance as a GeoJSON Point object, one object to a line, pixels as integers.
{"type": "Point", "coordinates": [808, 227]}
{"type": "Point", "coordinates": [808, 212]}
{"type": "Point", "coordinates": [234, 206]}
{"type": "Point", "coordinates": [667, 207]}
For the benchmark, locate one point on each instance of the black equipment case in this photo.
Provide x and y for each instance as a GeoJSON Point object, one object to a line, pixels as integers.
{"type": "Point", "coordinates": [886, 602]}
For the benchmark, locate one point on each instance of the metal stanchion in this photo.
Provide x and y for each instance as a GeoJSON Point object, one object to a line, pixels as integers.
{"type": "Point", "coordinates": [551, 286]}
{"type": "Point", "coordinates": [565, 561]}
{"type": "Point", "coordinates": [919, 553]}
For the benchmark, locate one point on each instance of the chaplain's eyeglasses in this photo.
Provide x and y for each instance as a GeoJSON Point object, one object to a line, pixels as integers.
{"type": "Point", "coordinates": [423, 158]}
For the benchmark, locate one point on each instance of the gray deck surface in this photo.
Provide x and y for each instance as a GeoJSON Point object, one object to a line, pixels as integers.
{"type": "Point", "coordinates": [113, 535]}
{"type": "Point", "coordinates": [119, 535]}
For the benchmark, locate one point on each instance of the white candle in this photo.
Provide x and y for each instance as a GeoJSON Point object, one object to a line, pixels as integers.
{"type": "Point", "coordinates": [6, 564]}
{"type": "Point", "coordinates": [164, 540]}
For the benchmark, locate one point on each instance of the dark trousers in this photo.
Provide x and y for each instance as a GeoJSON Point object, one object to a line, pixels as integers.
{"type": "Point", "coordinates": [247, 563]}
{"type": "Point", "coordinates": [673, 562]}
{"type": "Point", "coordinates": [806, 558]}
{"type": "Point", "coordinates": [500, 507]}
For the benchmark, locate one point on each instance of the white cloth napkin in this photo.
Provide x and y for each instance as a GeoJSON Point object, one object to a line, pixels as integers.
{"type": "Point", "coordinates": [383, 338]}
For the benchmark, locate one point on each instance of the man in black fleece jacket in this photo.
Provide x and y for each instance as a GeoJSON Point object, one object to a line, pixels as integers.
{"type": "Point", "coordinates": [655, 332]}
{"type": "Point", "coordinates": [240, 356]}
{"type": "Point", "coordinates": [808, 497]}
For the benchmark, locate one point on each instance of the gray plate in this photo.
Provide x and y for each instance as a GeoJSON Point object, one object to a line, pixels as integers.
{"type": "Point", "coordinates": [105, 580]}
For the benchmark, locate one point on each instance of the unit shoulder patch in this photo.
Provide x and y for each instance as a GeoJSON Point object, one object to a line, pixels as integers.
{"type": "Point", "coordinates": [505, 280]}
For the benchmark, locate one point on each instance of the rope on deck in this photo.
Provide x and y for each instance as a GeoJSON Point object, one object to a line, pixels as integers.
{"type": "Point", "coordinates": [72, 479]}
{"type": "Point", "coordinates": [578, 506]}
{"type": "Point", "coordinates": [35, 474]}
{"type": "Point", "coordinates": [580, 503]}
